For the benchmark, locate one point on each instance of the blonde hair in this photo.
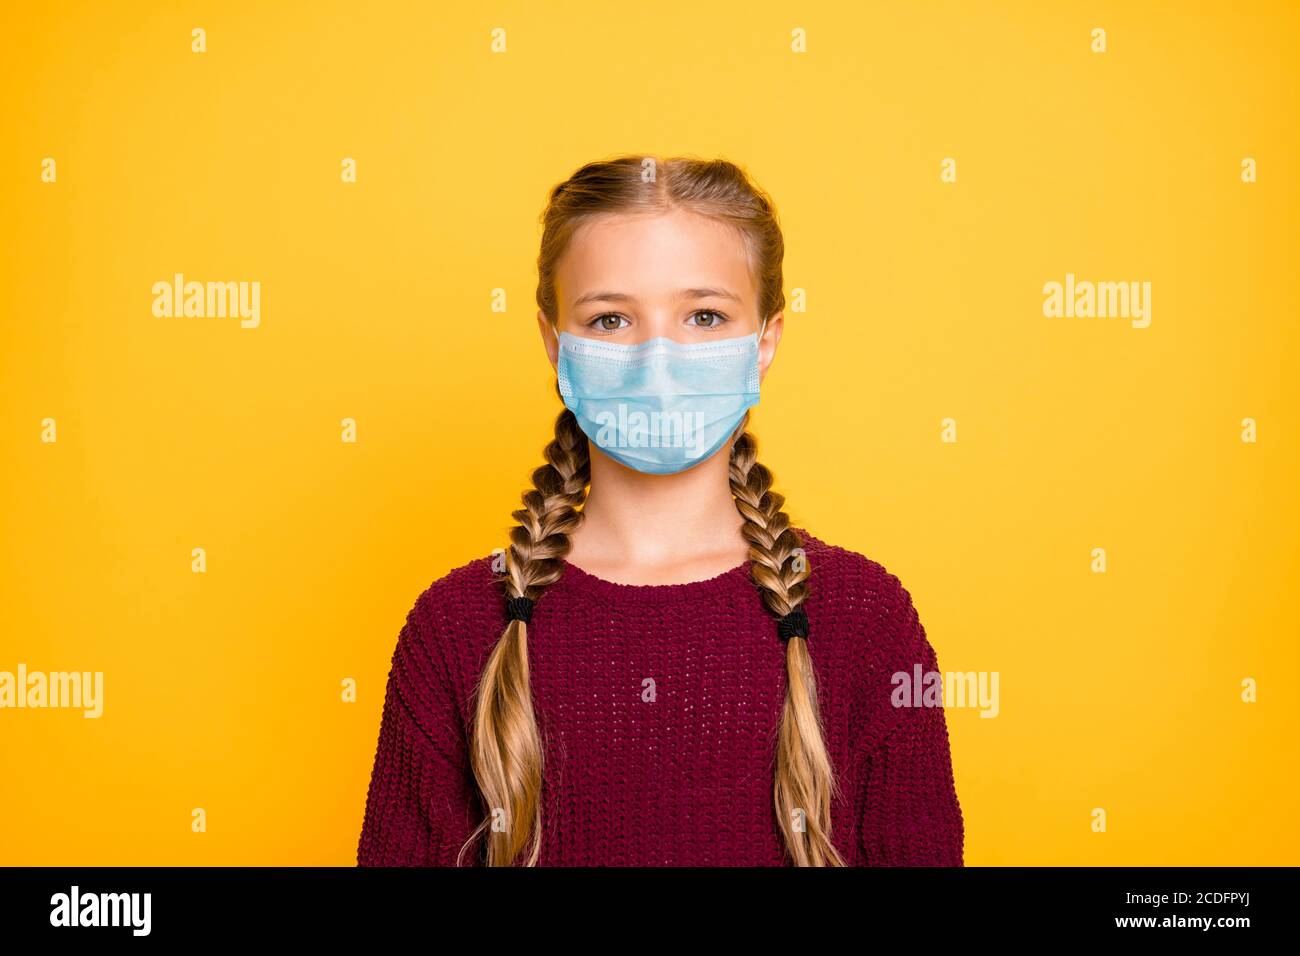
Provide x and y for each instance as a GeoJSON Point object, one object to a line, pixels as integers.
{"type": "Point", "coordinates": [506, 749]}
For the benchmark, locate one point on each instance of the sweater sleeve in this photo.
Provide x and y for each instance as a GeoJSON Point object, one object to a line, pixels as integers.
{"type": "Point", "coordinates": [911, 814]}
{"type": "Point", "coordinates": [420, 805]}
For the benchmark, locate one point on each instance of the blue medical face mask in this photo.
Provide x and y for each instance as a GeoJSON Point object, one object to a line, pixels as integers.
{"type": "Point", "coordinates": [659, 406]}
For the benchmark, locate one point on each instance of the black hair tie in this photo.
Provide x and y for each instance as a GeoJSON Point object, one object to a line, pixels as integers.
{"type": "Point", "coordinates": [794, 624]}
{"type": "Point", "coordinates": [519, 609]}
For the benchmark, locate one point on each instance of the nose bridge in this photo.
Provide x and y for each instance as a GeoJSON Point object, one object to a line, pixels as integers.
{"type": "Point", "coordinates": [672, 329]}
{"type": "Point", "coordinates": [662, 317]}
{"type": "Point", "coordinates": [660, 320]}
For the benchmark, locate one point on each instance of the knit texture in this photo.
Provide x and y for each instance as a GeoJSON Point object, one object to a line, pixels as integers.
{"type": "Point", "coordinates": [658, 707]}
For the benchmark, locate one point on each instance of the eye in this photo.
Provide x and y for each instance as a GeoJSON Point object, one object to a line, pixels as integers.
{"type": "Point", "coordinates": [607, 322]}
{"type": "Point", "coordinates": [712, 319]}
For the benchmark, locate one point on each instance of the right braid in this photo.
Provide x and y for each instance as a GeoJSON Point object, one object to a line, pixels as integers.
{"type": "Point", "coordinates": [805, 780]}
{"type": "Point", "coordinates": [506, 750]}
{"type": "Point", "coordinates": [550, 513]}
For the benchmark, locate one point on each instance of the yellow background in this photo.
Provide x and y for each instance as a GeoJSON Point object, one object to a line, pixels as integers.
{"type": "Point", "coordinates": [1118, 690]}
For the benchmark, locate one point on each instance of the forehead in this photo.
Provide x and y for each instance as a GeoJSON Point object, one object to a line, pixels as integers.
{"type": "Point", "coordinates": [651, 256]}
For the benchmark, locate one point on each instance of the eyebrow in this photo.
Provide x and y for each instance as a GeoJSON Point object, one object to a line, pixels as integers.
{"type": "Point", "coordinates": [681, 294]}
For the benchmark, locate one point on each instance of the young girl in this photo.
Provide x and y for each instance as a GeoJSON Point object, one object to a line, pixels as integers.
{"type": "Point", "coordinates": [660, 669]}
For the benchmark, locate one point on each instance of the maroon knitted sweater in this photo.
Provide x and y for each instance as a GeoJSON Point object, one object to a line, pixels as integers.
{"type": "Point", "coordinates": [658, 706]}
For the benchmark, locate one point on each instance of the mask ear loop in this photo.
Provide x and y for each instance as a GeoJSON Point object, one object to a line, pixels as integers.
{"type": "Point", "coordinates": [556, 333]}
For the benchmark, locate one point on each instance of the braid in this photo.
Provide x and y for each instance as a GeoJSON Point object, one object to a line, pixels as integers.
{"type": "Point", "coordinates": [805, 781]}
{"type": "Point", "coordinates": [506, 752]}
{"type": "Point", "coordinates": [550, 513]}
{"type": "Point", "coordinates": [772, 542]}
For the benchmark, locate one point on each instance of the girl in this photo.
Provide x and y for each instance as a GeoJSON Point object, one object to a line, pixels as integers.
{"type": "Point", "coordinates": [660, 669]}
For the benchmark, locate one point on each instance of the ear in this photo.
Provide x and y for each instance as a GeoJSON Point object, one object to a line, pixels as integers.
{"type": "Point", "coordinates": [550, 337]}
{"type": "Point", "coordinates": [768, 342]}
